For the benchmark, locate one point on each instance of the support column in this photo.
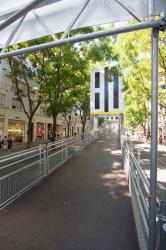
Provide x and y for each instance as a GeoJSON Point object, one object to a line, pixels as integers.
{"type": "Point", "coordinates": [154, 141]}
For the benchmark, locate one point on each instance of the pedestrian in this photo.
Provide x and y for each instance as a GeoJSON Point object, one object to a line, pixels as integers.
{"type": "Point", "coordinates": [0, 141]}
{"type": "Point", "coordinates": [147, 136]}
{"type": "Point", "coordinates": [5, 143]}
{"type": "Point", "coordinates": [161, 139]}
{"type": "Point", "coordinates": [50, 137]}
{"type": "Point", "coordinates": [10, 142]}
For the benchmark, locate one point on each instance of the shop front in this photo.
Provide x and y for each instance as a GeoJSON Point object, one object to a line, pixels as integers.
{"type": "Point", "coordinates": [40, 130]}
{"type": "Point", "coordinates": [49, 131]}
{"type": "Point", "coordinates": [1, 127]}
{"type": "Point", "coordinates": [16, 129]}
{"type": "Point", "coordinates": [59, 133]}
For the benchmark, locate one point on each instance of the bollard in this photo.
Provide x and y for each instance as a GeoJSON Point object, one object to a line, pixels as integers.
{"type": "Point", "coordinates": [162, 220]}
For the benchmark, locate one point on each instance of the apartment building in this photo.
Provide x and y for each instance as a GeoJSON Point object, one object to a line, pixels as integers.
{"type": "Point", "coordinates": [14, 121]}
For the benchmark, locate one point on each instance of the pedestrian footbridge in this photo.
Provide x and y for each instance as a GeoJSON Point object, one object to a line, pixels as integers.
{"type": "Point", "coordinates": [85, 204]}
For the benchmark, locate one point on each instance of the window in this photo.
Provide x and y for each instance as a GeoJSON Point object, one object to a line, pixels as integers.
{"type": "Point", "coordinates": [106, 93]}
{"type": "Point", "coordinates": [97, 79]}
{"type": "Point", "coordinates": [97, 100]}
{"type": "Point", "coordinates": [116, 91]}
{"type": "Point", "coordinates": [16, 104]}
{"type": "Point", "coordinates": [2, 100]}
{"type": "Point", "coordinates": [42, 111]}
{"type": "Point", "coordinates": [13, 87]}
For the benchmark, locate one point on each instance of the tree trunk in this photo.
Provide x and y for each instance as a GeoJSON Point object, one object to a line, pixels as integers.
{"type": "Point", "coordinates": [68, 129]}
{"type": "Point", "coordinates": [29, 133]}
{"type": "Point", "coordinates": [144, 128]}
{"type": "Point", "coordinates": [83, 127]}
{"type": "Point", "coordinates": [54, 129]}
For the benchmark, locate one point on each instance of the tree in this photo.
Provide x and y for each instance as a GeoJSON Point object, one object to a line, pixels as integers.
{"type": "Point", "coordinates": [83, 104]}
{"type": "Point", "coordinates": [135, 62]}
{"type": "Point", "coordinates": [20, 69]}
{"type": "Point", "coordinates": [67, 107]}
{"type": "Point", "coordinates": [62, 69]}
{"type": "Point", "coordinates": [100, 121]}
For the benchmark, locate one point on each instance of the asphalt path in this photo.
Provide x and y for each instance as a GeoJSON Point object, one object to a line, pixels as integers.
{"type": "Point", "coordinates": [84, 205]}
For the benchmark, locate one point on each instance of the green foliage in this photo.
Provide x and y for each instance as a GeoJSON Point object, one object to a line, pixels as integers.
{"type": "Point", "coordinates": [83, 103]}
{"type": "Point", "coordinates": [65, 72]}
{"type": "Point", "coordinates": [135, 62]}
{"type": "Point", "coordinates": [100, 121]}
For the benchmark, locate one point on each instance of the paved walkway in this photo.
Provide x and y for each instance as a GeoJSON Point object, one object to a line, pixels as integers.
{"type": "Point", "coordinates": [83, 205]}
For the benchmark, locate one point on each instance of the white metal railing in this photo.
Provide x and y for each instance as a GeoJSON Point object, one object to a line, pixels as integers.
{"type": "Point", "coordinates": [139, 187]}
{"type": "Point", "coordinates": [139, 190]}
{"type": "Point", "coordinates": [22, 170]}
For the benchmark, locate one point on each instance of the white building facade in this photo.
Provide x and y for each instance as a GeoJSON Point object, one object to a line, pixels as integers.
{"type": "Point", "coordinates": [106, 96]}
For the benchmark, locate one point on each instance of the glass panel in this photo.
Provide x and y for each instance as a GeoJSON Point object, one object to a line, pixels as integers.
{"type": "Point", "coordinates": [97, 100]}
{"type": "Point", "coordinates": [16, 130]}
{"type": "Point", "coordinates": [106, 90]}
{"type": "Point", "coordinates": [116, 91]}
{"type": "Point", "coordinates": [40, 130]}
{"type": "Point", "coordinates": [97, 79]}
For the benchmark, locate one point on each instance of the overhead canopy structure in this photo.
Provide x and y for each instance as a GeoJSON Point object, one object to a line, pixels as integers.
{"type": "Point", "coordinates": [47, 17]}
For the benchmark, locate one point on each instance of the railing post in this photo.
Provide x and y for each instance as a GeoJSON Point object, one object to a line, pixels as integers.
{"type": "Point", "coordinates": [62, 149]}
{"type": "Point", "coordinates": [40, 158]}
{"type": "Point", "coordinates": [66, 151]}
{"type": "Point", "coordinates": [154, 139]}
{"type": "Point", "coordinates": [78, 147]}
{"type": "Point", "coordinates": [138, 155]}
{"type": "Point", "coordinates": [131, 147]}
{"type": "Point", "coordinates": [45, 160]}
{"type": "Point", "coordinates": [162, 220]}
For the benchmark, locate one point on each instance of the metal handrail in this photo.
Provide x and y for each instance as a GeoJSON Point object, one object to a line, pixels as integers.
{"type": "Point", "coordinates": [22, 170]}
{"type": "Point", "coordinates": [139, 189]}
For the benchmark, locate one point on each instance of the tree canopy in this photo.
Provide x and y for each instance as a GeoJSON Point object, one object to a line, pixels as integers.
{"type": "Point", "coordinates": [135, 63]}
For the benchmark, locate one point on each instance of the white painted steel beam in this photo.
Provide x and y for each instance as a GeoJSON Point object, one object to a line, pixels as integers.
{"type": "Point", "coordinates": [20, 13]}
{"type": "Point", "coordinates": [85, 37]}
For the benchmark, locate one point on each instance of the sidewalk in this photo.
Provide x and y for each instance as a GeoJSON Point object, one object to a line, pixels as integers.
{"type": "Point", "coordinates": [84, 205]}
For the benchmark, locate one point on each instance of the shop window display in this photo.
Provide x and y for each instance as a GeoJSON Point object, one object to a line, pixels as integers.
{"type": "Point", "coordinates": [16, 130]}
{"type": "Point", "coordinates": [40, 131]}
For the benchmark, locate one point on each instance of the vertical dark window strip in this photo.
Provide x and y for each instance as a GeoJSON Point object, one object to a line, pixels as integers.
{"type": "Point", "coordinates": [116, 91]}
{"type": "Point", "coordinates": [97, 79]}
{"type": "Point", "coordinates": [97, 100]}
{"type": "Point", "coordinates": [106, 90]}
